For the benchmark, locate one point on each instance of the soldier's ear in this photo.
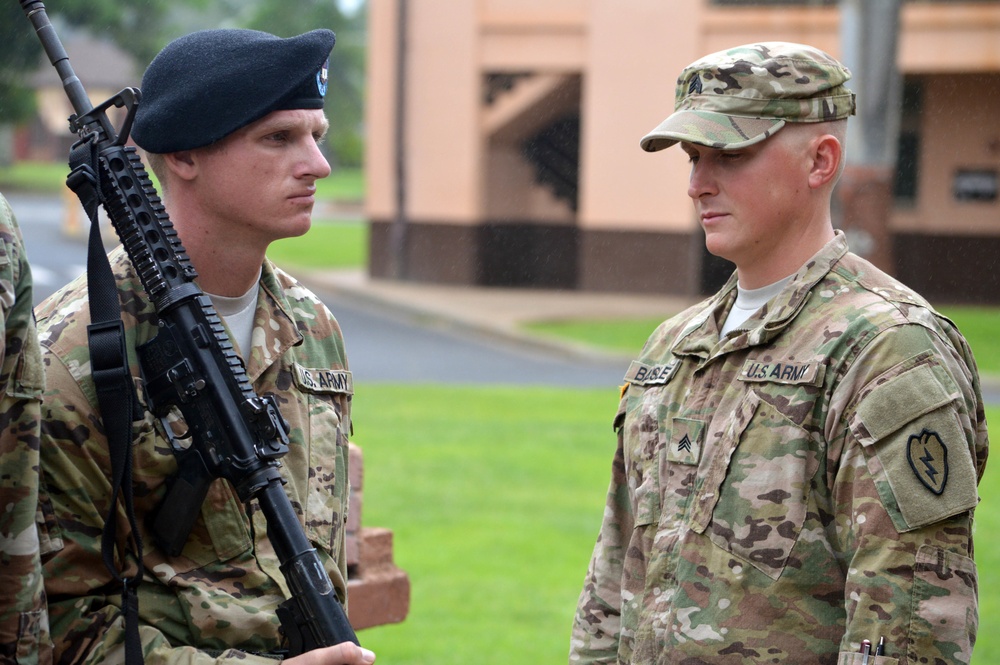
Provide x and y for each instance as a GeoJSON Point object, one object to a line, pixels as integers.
{"type": "Point", "coordinates": [826, 154]}
{"type": "Point", "coordinates": [182, 164]}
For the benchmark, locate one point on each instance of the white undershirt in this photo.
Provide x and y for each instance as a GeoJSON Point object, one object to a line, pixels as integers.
{"type": "Point", "coordinates": [238, 314]}
{"type": "Point", "coordinates": [749, 301]}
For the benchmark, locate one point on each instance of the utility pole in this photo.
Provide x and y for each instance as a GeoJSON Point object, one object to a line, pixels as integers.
{"type": "Point", "coordinates": [398, 268]}
{"type": "Point", "coordinates": [868, 36]}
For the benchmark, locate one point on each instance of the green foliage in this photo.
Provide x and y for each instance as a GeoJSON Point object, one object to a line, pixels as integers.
{"type": "Point", "coordinates": [19, 52]}
{"type": "Point", "coordinates": [142, 27]}
{"type": "Point", "coordinates": [138, 27]}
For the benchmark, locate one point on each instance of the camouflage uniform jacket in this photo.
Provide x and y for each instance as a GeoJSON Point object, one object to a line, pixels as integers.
{"type": "Point", "coordinates": [219, 595]}
{"type": "Point", "coordinates": [23, 619]}
{"type": "Point", "coordinates": [803, 484]}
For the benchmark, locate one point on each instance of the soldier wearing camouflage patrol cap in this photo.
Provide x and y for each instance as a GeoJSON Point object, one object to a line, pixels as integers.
{"type": "Point", "coordinates": [231, 121]}
{"type": "Point", "coordinates": [799, 454]}
{"type": "Point", "coordinates": [24, 625]}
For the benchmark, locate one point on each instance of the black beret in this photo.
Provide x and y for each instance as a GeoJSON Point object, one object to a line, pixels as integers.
{"type": "Point", "coordinates": [206, 85]}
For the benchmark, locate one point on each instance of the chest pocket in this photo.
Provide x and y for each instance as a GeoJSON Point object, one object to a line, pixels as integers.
{"type": "Point", "coordinates": [755, 496]}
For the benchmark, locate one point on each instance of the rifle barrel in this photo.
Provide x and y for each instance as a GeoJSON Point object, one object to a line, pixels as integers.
{"type": "Point", "coordinates": [35, 11]}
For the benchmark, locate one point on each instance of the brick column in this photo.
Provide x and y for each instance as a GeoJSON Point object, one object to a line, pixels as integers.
{"type": "Point", "coordinates": [378, 592]}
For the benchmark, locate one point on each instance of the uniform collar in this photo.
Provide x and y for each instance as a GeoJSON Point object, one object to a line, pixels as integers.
{"type": "Point", "coordinates": [701, 337]}
{"type": "Point", "coordinates": [281, 333]}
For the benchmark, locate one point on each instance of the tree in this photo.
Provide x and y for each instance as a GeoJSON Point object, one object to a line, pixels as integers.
{"type": "Point", "coordinates": [142, 27]}
{"type": "Point", "coordinates": [138, 27]}
{"type": "Point", "coordinates": [19, 52]}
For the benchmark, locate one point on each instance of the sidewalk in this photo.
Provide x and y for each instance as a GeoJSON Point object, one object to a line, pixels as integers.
{"type": "Point", "coordinates": [501, 312]}
{"type": "Point", "coordinates": [494, 311]}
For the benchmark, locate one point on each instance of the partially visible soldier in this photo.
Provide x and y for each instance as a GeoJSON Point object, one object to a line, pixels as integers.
{"type": "Point", "coordinates": [231, 121]}
{"type": "Point", "coordinates": [798, 456]}
{"type": "Point", "coordinates": [24, 624]}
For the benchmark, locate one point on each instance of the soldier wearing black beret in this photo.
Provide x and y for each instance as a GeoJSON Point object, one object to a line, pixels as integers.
{"type": "Point", "coordinates": [231, 122]}
{"type": "Point", "coordinates": [206, 85]}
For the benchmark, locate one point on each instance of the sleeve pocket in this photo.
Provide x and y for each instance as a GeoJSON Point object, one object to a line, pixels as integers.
{"type": "Point", "coordinates": [923, 472]}
{"type": "Point", "coordinates": [917, 451]}
{"type": "Point", "coordinates": [943, 581]}
{"type": "Point", "coordinates": [33, 642]}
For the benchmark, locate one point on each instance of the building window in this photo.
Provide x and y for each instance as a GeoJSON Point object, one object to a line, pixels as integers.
{"type": "Point", "coordinates": [908, 150]}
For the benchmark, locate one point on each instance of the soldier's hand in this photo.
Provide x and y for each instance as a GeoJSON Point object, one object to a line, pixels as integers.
{"type": "Point", "coordinates": [347, 653]}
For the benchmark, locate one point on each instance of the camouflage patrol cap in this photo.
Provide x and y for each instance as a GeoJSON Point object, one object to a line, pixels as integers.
{"type": "Point", "coordinates": [740, 96]}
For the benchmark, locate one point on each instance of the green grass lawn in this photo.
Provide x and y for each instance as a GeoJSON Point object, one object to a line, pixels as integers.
{"type": "Point", "coordinates": [344, 184]}
{"type": "Point", "coordinates": [42, 177]}
{"type": "Point", "coordinates": [625, 335]}
{"type": "Point", "coordinates": [978, 324]}
{"type": "Point", "coordinates": [495, 496]}
{"type": "Point", "coordinates": [328, 244]}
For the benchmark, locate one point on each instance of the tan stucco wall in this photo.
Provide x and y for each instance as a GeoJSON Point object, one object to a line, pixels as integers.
{"type": "Point", "coordinates": [960, 130]}
{"type": "Point", "coordinates": [635, 53]}
{"type": "Point", "coordinates": [627, 55]}
{"type": "Point", "coordinates": [443, 145]}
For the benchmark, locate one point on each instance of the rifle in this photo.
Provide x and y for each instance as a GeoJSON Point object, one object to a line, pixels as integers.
{"type": "Point", "coordinates": [189, 365]}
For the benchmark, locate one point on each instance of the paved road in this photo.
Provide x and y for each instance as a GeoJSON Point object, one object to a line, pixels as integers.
{"type": "Point", "coordinates": [383, 345]}
{"type": "Point", "coordinates": [56, 256]}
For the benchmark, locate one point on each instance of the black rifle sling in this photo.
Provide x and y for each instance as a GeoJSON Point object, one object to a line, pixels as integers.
{"type": "Point", "coordinates": [115, 391]}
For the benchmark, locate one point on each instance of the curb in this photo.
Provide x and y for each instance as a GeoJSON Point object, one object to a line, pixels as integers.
{"type": "Point", "coordinates": [363, 297]}
{"type": "Point", "coordinates": [368, 298]}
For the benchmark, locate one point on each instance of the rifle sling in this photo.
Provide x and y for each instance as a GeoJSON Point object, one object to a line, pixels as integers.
{"type": "Point", "coordinates": [116, 394]}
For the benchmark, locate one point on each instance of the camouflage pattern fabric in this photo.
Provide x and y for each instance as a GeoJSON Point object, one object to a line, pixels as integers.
{"type": "Point", "coordinates": [217, 599]}
{"type": "Point", "coordinates": [740, 96]}
{"type": "Point", "coordinates": [803, 484]}
{"type": "Point", "coordinates": [24, 624]}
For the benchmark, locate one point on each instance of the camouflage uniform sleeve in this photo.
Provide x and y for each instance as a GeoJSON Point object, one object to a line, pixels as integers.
{"type": "Point", "coordinates": [23, 616]}
{"type": "Point", "coordinates": [597, 623]}
{"type": "Point", "coordinates": [84, 600]}
{"type": "Point", "coordinates": [913, 445]}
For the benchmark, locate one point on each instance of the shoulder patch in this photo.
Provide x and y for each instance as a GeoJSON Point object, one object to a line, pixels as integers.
{"type": "Point", "coordinates": [917, 451]}
{"type": "Point", "coordinates": [323, 380]}
{"type": "Point", "coordinates": [928, 457]}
